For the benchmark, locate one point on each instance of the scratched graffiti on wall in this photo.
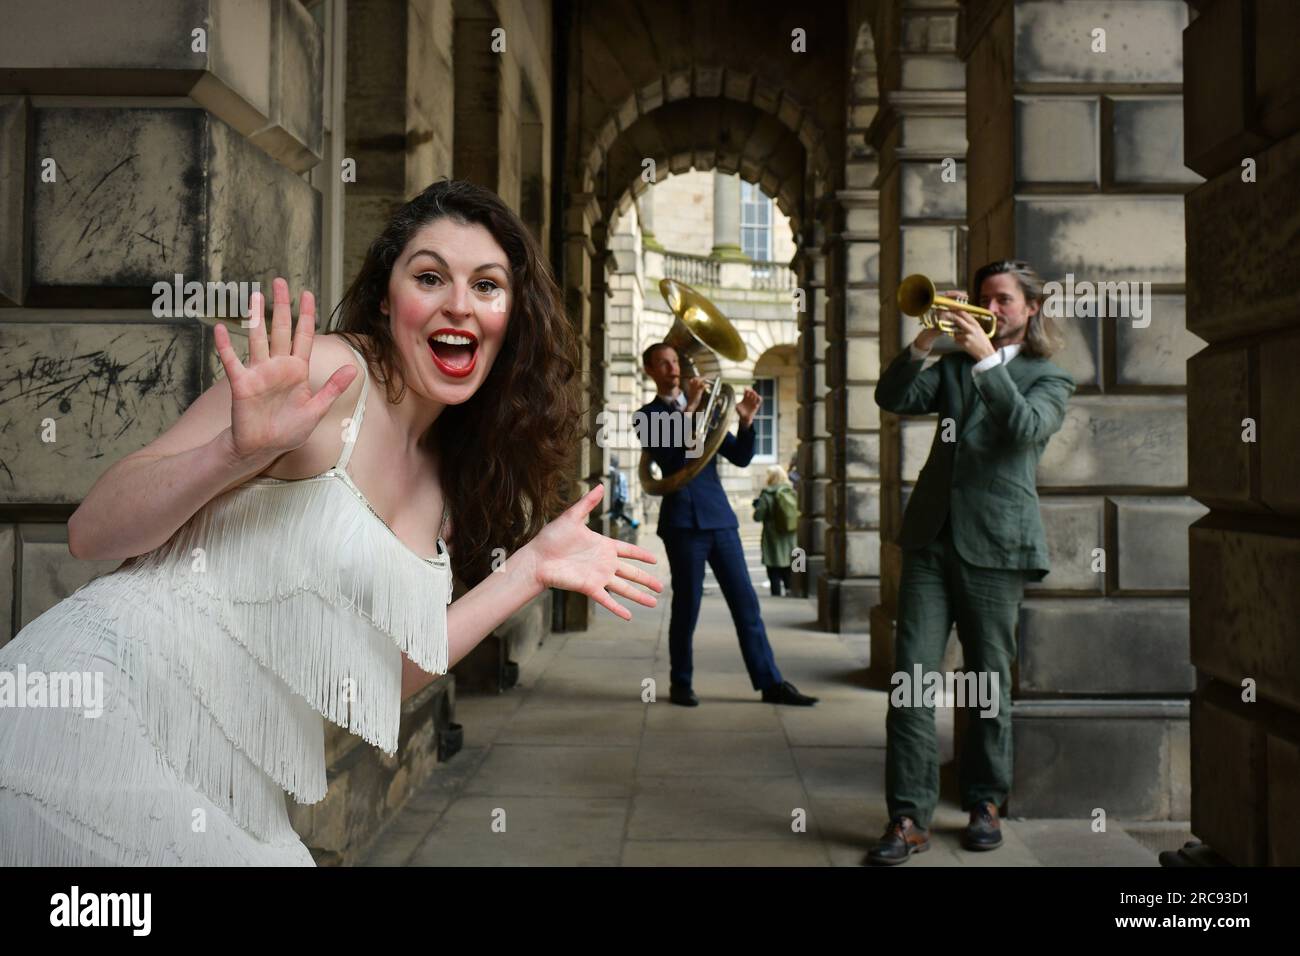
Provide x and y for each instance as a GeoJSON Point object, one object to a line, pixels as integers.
{"type": "Point", "coordinates": [76, 398]}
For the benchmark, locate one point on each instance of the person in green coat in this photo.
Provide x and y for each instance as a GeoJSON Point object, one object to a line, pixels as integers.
{"type": "Point", "coordinates": [971, 537]}
{"type": "Point", "coordinates": [777, 508]}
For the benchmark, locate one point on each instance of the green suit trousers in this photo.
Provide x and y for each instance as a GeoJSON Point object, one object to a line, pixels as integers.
{"type": "Point", "coordinates": [937, 588]}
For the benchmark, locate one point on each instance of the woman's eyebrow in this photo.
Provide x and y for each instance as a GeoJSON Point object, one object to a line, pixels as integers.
{"type": "Point", "coordinates": [443, 262]}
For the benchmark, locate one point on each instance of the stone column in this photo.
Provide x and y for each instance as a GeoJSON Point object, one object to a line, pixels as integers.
{"type": "Point", "coordinates": [851, 586]}
{"type": "Point", "coordinates": [476, 145]}
{"type": "Point", "coordinates": [810, 270]}
{"type": "Point", "coordinates": [920, 139]}
{"type": "Point", "coordinates": [1243, 135]}
{"type": "Point", "coordinates": [1075, 164]}
{"type": "Point", "coordinates": [580, 281]}
{"type": "Point", "coordinates": [726, 216]}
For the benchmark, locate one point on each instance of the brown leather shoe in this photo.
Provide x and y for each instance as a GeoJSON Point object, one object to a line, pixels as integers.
{"type": "Point", "coordinates": [902, 838]}
{"type": "Point", "coordinates": [985, 829]}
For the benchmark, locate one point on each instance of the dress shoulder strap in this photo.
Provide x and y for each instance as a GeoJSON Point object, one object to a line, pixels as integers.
{"type": "Point", "coordinates": [353, 428]}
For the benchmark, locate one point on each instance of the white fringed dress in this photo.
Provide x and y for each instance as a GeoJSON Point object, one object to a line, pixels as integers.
{"type": "Point", "coordinates": [277, 603]}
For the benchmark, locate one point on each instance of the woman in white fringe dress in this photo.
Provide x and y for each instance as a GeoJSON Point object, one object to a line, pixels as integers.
{"type": "Point", "coordinates": [273, 602]}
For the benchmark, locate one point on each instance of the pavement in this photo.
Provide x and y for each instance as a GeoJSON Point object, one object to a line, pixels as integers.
{"type": "Point", "coordinates": [573, 768]}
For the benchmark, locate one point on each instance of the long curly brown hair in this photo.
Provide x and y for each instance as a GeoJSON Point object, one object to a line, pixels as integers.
{"type": "Point", "coordinates": [503, 454]}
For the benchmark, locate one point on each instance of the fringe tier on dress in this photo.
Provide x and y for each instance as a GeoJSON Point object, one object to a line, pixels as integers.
{"type": "Point", "coordinates": [276, 604]}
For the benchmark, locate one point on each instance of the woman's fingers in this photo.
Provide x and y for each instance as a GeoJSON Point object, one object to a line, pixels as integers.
{"type": "Point", "coordinates": [256, 328]}
{"type": "Point", "coordinates": [601, 597]}
{"type": "Point", "coordinates": [631, 593]}
{"type": "Point", "coordinates": [636, 553]}
{"type": "Point", "coordinates": [584, 505]}
{"type": "Point", "coordinates": [334, 386]}
{"type": "Point", "coordinates": [226, 352]}
{"type": "Point", "coordinates": [281, 317]}
{"type": "Point", "coordinates": [640, 577]}
{"type": "Point", "coordinates": [305, 334]}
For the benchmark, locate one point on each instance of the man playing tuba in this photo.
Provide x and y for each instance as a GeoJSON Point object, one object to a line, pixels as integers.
{"type": "Point", "coordinates": [697, 524]}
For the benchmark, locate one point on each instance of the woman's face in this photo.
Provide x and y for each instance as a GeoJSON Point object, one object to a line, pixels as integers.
{"type": "Point", "coordinates": [448, 303]}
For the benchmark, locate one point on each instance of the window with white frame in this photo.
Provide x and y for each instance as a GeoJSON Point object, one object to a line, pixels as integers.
{"type": "Point", "coordinates": [755, 223]}
{"type": "Point", "coordinates": [765, 438]}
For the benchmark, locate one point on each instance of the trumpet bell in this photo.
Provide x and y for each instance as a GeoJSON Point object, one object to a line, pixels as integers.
{"type": "Point", "coordinates": [917, 297]}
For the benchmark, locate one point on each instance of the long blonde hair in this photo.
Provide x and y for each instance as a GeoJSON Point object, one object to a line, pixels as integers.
{"type": "Point", "coordinates": [776, 475]}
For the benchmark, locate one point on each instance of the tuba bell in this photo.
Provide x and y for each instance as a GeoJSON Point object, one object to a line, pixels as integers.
{"type": "Point", "coordinates": [917, 297]}
{"type": "Point", "coordinates": [697, 324]}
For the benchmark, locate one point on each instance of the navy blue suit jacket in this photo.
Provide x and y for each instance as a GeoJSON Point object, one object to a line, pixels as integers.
{"type": "Point", "coordinates": [702, 503]}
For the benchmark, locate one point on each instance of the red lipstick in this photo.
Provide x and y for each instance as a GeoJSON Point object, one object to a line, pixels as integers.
{"type": "Point", "coordinates": [456, 357]}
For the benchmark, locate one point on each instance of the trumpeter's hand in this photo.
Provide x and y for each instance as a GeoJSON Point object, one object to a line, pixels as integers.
{"type": "Point", "coordinates": [971, 337]}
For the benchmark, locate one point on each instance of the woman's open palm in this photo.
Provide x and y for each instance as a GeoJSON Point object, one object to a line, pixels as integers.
{"type": "Point", "coordinates": [272, 408]}
{"type": "Point", "coordinates": [569, 555]}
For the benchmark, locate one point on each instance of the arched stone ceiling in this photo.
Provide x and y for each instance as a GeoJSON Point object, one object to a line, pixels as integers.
{"type": "Point", "coordinates": [634, 59]}
{"type": "Point", "coordinates": [703, 134]}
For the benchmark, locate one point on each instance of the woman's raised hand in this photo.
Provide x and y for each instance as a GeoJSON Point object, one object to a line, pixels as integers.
{"type": "Point", "coordinates": [272, 408]}
{"type": "Point", "coordinates": [569, 555]}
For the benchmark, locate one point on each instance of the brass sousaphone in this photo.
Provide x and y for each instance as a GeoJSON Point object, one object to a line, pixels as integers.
{"type": "Point", "coordinates": [697, 324]}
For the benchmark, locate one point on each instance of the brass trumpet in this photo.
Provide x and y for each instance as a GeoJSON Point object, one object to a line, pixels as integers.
{"type": "Point", "coordinates": [917, 297]}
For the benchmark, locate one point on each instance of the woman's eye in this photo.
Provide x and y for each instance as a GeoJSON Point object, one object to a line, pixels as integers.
{"type": "Point", "coordinates": [486, 286]}
{"type": "Point", "coordinates": [427, 275]}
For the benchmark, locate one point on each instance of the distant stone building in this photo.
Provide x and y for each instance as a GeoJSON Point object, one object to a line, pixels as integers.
{"type": "Point", "coordinates": [724, 238]}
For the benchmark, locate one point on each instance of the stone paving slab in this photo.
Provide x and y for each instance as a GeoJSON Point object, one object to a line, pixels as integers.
{"type": "Point", "coordinates": [585, 773]}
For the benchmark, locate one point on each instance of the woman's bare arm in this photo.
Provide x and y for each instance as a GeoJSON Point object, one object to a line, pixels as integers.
{"type": "Point", "coordinates": [139, 502]}
{"type": "Point", "coordinates": [475, 615]}
{"type": "Point", "coordinates": [244, 423]}
{"type": "Point", "coordinates": [566, 554]}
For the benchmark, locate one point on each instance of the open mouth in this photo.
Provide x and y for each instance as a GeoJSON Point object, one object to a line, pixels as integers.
{"type": "Point", "coordinates": [453, 351]}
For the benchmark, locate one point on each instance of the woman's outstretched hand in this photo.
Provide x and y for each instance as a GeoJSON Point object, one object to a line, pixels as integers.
{"type": "Point", "coordinates": [569, 555]}
{"type": "Point", "coordinates": [272, 408]}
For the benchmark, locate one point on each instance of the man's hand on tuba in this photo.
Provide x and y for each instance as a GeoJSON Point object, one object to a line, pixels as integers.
{"type": "Point", "coordinates": [696, 389]}
{"type": "Point", "coordinates": [748, 407]}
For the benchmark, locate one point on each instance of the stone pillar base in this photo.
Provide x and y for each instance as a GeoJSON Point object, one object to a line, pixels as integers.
{"type": "Point", "coordinates": [1126, 757]}
{"type": "Point", "coordinates": [494, 665]}
{"type": "Point", "coordinates": [845, 604]}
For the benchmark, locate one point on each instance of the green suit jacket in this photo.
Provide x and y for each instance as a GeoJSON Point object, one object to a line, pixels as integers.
{"type": "Point", "coordinates": [985, 480]}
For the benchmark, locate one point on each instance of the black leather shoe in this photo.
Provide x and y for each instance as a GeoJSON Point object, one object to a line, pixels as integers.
{"type": "Point", "coordinates": [684, 696]}
{"type": "Point", "coordinates": [902, 838]}
{"type": "Point", "coordinates": [787, 693]}
{"type": "Point", "coordinates": [984, 832]}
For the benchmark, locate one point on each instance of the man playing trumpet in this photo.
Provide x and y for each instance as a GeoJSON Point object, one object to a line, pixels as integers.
{"type": "Point", "coordinates": [971, 537]}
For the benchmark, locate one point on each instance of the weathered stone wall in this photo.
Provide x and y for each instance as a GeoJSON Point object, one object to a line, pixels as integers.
{"type": "Point", "coordinates": [1243, 135]}
{"type": "Point", "coordinates": [1075, 164]}
{"type": "Point", "coordinates": [850, 587]}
